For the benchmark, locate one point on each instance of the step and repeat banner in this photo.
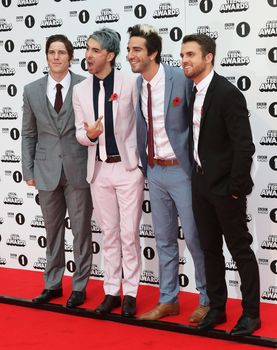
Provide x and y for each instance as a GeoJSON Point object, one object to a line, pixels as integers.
{"type": "Point", "coordinates": [246, 37]}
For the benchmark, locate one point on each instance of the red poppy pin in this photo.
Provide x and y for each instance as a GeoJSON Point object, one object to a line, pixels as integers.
{"type": "Point", "coordinates": [176, 101]}
{"type": "Point", "coordinates": [113, 97]}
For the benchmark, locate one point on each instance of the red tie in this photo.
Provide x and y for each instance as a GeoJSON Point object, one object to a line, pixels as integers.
{"type": "Point", "coordinates": [150, 128]}
{"type": "Point", "coordinates": [59, 98]}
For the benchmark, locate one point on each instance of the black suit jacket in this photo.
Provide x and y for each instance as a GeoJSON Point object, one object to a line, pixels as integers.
{"type": "Point", "coordinates": [225, 141]}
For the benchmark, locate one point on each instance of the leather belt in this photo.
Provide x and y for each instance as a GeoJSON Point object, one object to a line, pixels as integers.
{"type": "Point", "coordinates": [113, 159]}
{"type": "Point", "coordinates": [166, 162]}
{"type": "Point", "coordinates": [199, 169]}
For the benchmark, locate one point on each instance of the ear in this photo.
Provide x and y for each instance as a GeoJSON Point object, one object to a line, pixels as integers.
{"type": "Point", "coordinates": [153, 55]}
{"type": "Point", "coordinates": [110, 56]}
{"type": "Point", "coordinates": [209, 57]}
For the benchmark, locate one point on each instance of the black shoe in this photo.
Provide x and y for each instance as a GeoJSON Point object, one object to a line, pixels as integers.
{"type": "Point", "coordinates": [47, 295]}
{"type": "Point", "coordinates": [128, 306]}
{"type": "Point", "coordinates": [110, 302]}
{"type": "Point", "coordinates": [246, 325]}
{"type": "Point", "coordinates": [76, 299]}
{"type": "Point", "coordinates": [213, 318]}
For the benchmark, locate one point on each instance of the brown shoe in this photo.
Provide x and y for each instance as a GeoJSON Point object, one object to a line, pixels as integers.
{"type": "Point", "coordinates": [199, 313]}
{"type": "Point", "coordinates": [161, 310]}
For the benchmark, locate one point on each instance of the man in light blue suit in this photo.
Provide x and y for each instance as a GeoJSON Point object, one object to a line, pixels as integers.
{"type": "Point", "coordinates": [162, 135]}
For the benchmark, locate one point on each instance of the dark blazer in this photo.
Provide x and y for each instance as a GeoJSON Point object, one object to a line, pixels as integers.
{"type": "Point", "coordinates": [225, 141]}
{"type": "Point", "coordinates": [176, 117]}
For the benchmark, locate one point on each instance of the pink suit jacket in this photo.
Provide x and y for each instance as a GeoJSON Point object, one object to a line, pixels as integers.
{"type": "Point", "coordinates": [123, 118]}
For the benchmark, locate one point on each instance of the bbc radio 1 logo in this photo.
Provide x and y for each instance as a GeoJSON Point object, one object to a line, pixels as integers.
{"type": "Point", "coordinates": [234, 6]}
{"type": "Point", "coordinates": [40, 264]}
{"type": "Point", "coordinates": [166, 10]}
{"type": "Point", "coordinates": [4, 26]}
{"type": "Point", "coordinates": [8, 114]}
{"type": "Point", "coordinates": [146, 230]}
{"type": "Point", "coordinates": [96, 271]}
{"type": "Point", "coordinates": [270, 85]}
{"type": "Point", "coordinates": [273, 163]}
{"type": "Point", "coordinates": [149, 277]}
{"type": "Point", "coordinates": [270, 191]}
{"type": "Point", "coordinates": [234, 58]}
{"type": "Point", "coordinates": [273, 215]}
{"type": "Point", "coordinates": [5, 70]}
{"type": "Point", "coordinates": [81, 42]}
{"type": "Point", "coordinates": [270, 29]}
{"type": "Point", "coordinates": [51, 21]}
{"type": "Point", "coordinates": [270, 294]}
{"type": "Point", "coordinates": [207, 31]}
{"type": "Point", "coordinates": [168, 59]}
{"type": "Point", "coordinates": [12, 198]}
{"type": "Point", "coordinates": [270, 139]}
{"type": "Point", "coordinates": [24, 3]}
{"type": "Point", "coordinates": [107, 16]}
{"type": "Point", "coordinates": [30, 46]}
{"type": "Point", "coordinates": [231, 265]}
{"type": "Point", "coordinates": [270, 243]}
{"type": "Point", "coordinates": [15, 241]}
{"type": "Point", "coordinates": [38, 221]}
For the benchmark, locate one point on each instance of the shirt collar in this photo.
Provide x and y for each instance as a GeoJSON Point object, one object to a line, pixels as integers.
{"type": "Point", "coordinates": [159, 75]}
{"type": "Point", "coordinates": [65, 82]}
{"type": "Point", "coordinates": [204, 83]}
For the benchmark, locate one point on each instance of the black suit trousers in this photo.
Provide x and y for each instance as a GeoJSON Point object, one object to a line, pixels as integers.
{"type": "Point", "coordinates": [223, 216]}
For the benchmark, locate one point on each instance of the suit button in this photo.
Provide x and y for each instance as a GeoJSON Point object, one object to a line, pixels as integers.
{"type": "Point", "coordinates": [60, 156]}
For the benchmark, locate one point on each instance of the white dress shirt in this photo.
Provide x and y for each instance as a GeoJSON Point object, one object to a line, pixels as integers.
{"type": "Point", "coordinates": [51, 87]}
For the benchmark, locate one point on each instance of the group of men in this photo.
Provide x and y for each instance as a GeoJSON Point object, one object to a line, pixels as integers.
{"type": "Point", "coordinates": [97, 138]}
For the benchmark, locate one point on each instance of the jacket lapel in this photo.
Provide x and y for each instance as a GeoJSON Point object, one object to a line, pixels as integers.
{"type": "Point", "coordinates": [208, 99]}
{"type": "Point", "coordinates": [118, 79]}
{"type": "Point", "coordinates": [168, 88]}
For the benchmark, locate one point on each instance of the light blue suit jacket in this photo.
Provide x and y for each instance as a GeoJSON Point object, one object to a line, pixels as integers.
{"type": "Point", "coordinates": [176, 117]}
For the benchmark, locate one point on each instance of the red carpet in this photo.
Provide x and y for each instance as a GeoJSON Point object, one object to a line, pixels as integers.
{"type": "Point", "coordinates": [26, 328]}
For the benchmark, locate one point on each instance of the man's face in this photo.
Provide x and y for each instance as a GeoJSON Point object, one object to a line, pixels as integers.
{"type": "Point", "coordinates": [98, 59]}
{"type": "Point", "coordinates": [58, 58]}
{"type": "Point", "coordinates": [138, 55]}
{"type": "Point", "coordinates": [194, 64]}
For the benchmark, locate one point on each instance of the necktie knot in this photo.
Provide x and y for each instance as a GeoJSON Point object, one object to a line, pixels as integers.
{"type": "Point", "coordinates": [59, 87]}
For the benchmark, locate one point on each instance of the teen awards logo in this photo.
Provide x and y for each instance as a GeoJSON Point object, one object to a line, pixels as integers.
{"type": "Point", "coordinates": [149, 277]}
{"type": "Point", "coordinates": [3, 261]}
{"type": "Point", "coordinates": [4, 26]}
{"type": "Point", "coordinates": [231, 265]}
{"type": "Point", "coordinates": [168, 59]}
{"type": "Point", "coordinates": [146, 230]}
{"type": "Point", "coordinates": [270, 294]}
{"type": "Point", "coordinates": [107, 16]}
{"type": "Point", "coordinates": [68, 247]}
{"type": "Point", "coordinates": [38, 221]}
{"type": "Point", "coordinates": [30, 46]}
{"type": "Point", "coordinates": [15, 240]}
{"type": "Point", "coordinates": [182, 260]}
{"type": "Point", "coordinates": [269, 30]}
{"type": "Point", "coordinates": [270, 191]}
{"type": "Point", "coordinates": [12, 198]}
{"type": "Point", "coordinates": [23, 3]}
{"type": "Point", "coordinates": [270, 243]}
{"type": "Point", "coordinates": [270, 139]}
{"type": "Point", "coordinates": [51, 21]}
{"type": "Point", "coordinates": [40, 264]}
{"type": "Point", "coordinates": [5, 70]}
{"type": "Point", "coordinates": [207, 31]}
{"type": "Point", "coordinates": [8, 114]}
{"type": "Point", "coordinates": [96, 272]}
{"type": "Point", "coordinates": [234, 58]}
{"type": "Point", "coordinates": [270, 85]}
{"type": "Point", "coordinates": [10, 157]}
{"type": "Point", "coordinates": [234, 6]}
{"type": "Point", "coordinates": [81, 42]}
{"type": "Point", "coordinates": [166, 11]}
{"type": "Point", "coordinates": [95, 228]}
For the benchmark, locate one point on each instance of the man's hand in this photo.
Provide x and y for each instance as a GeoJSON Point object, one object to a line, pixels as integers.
{"type": "Point", "coordinates": [95, 129]}
{"type": "Point", "coordinates": [31, 182]}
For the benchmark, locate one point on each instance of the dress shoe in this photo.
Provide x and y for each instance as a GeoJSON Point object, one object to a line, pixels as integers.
{"type": "Point", "coordinates": [246, 325]}
{"type": "Point", "coordinates": [109, 303]}
{"type": "Point", "coordinates": [213, 318]}
{"type": "Point", "coordinates": [76, 299]}
{"type": "Point", "coordinates": [47, 295]}
{"type": "Point", "coordinates": [161, 310]}
{"type": "Point", "coordinates": [128, 306]}
{"type": "Point", "coordinates": [199, 313]}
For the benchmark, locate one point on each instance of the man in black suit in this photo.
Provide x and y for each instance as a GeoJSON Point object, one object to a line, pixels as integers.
{"type": "Point", "coordinates": [221, 149]}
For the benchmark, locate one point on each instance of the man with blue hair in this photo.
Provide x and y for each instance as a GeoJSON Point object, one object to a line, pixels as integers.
{"type": "Point", "coordinates": [104, 107]}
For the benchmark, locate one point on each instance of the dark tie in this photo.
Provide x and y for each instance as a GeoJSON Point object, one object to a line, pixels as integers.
{"type": "Point", "coordinates": [192, 99]}
{"type": "Point", "coordinates": [59, 98]}
{"type": "Point", "coordinates": [150, 128]}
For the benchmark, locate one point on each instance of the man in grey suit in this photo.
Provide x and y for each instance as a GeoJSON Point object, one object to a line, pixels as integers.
{"type": "Point", "coordinates": [162, 127]}
{"type": "Point", "coordinates": [55, 163]}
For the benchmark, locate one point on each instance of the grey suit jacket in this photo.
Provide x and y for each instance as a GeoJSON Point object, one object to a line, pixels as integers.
{"type": "Point", "coordinates": [45, 149]}
{"type": "Point", "coordinates": [176, 117]}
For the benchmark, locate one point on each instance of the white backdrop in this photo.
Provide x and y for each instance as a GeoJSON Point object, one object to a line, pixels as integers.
{"type": "Point", "coordinates": [245, 32]}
